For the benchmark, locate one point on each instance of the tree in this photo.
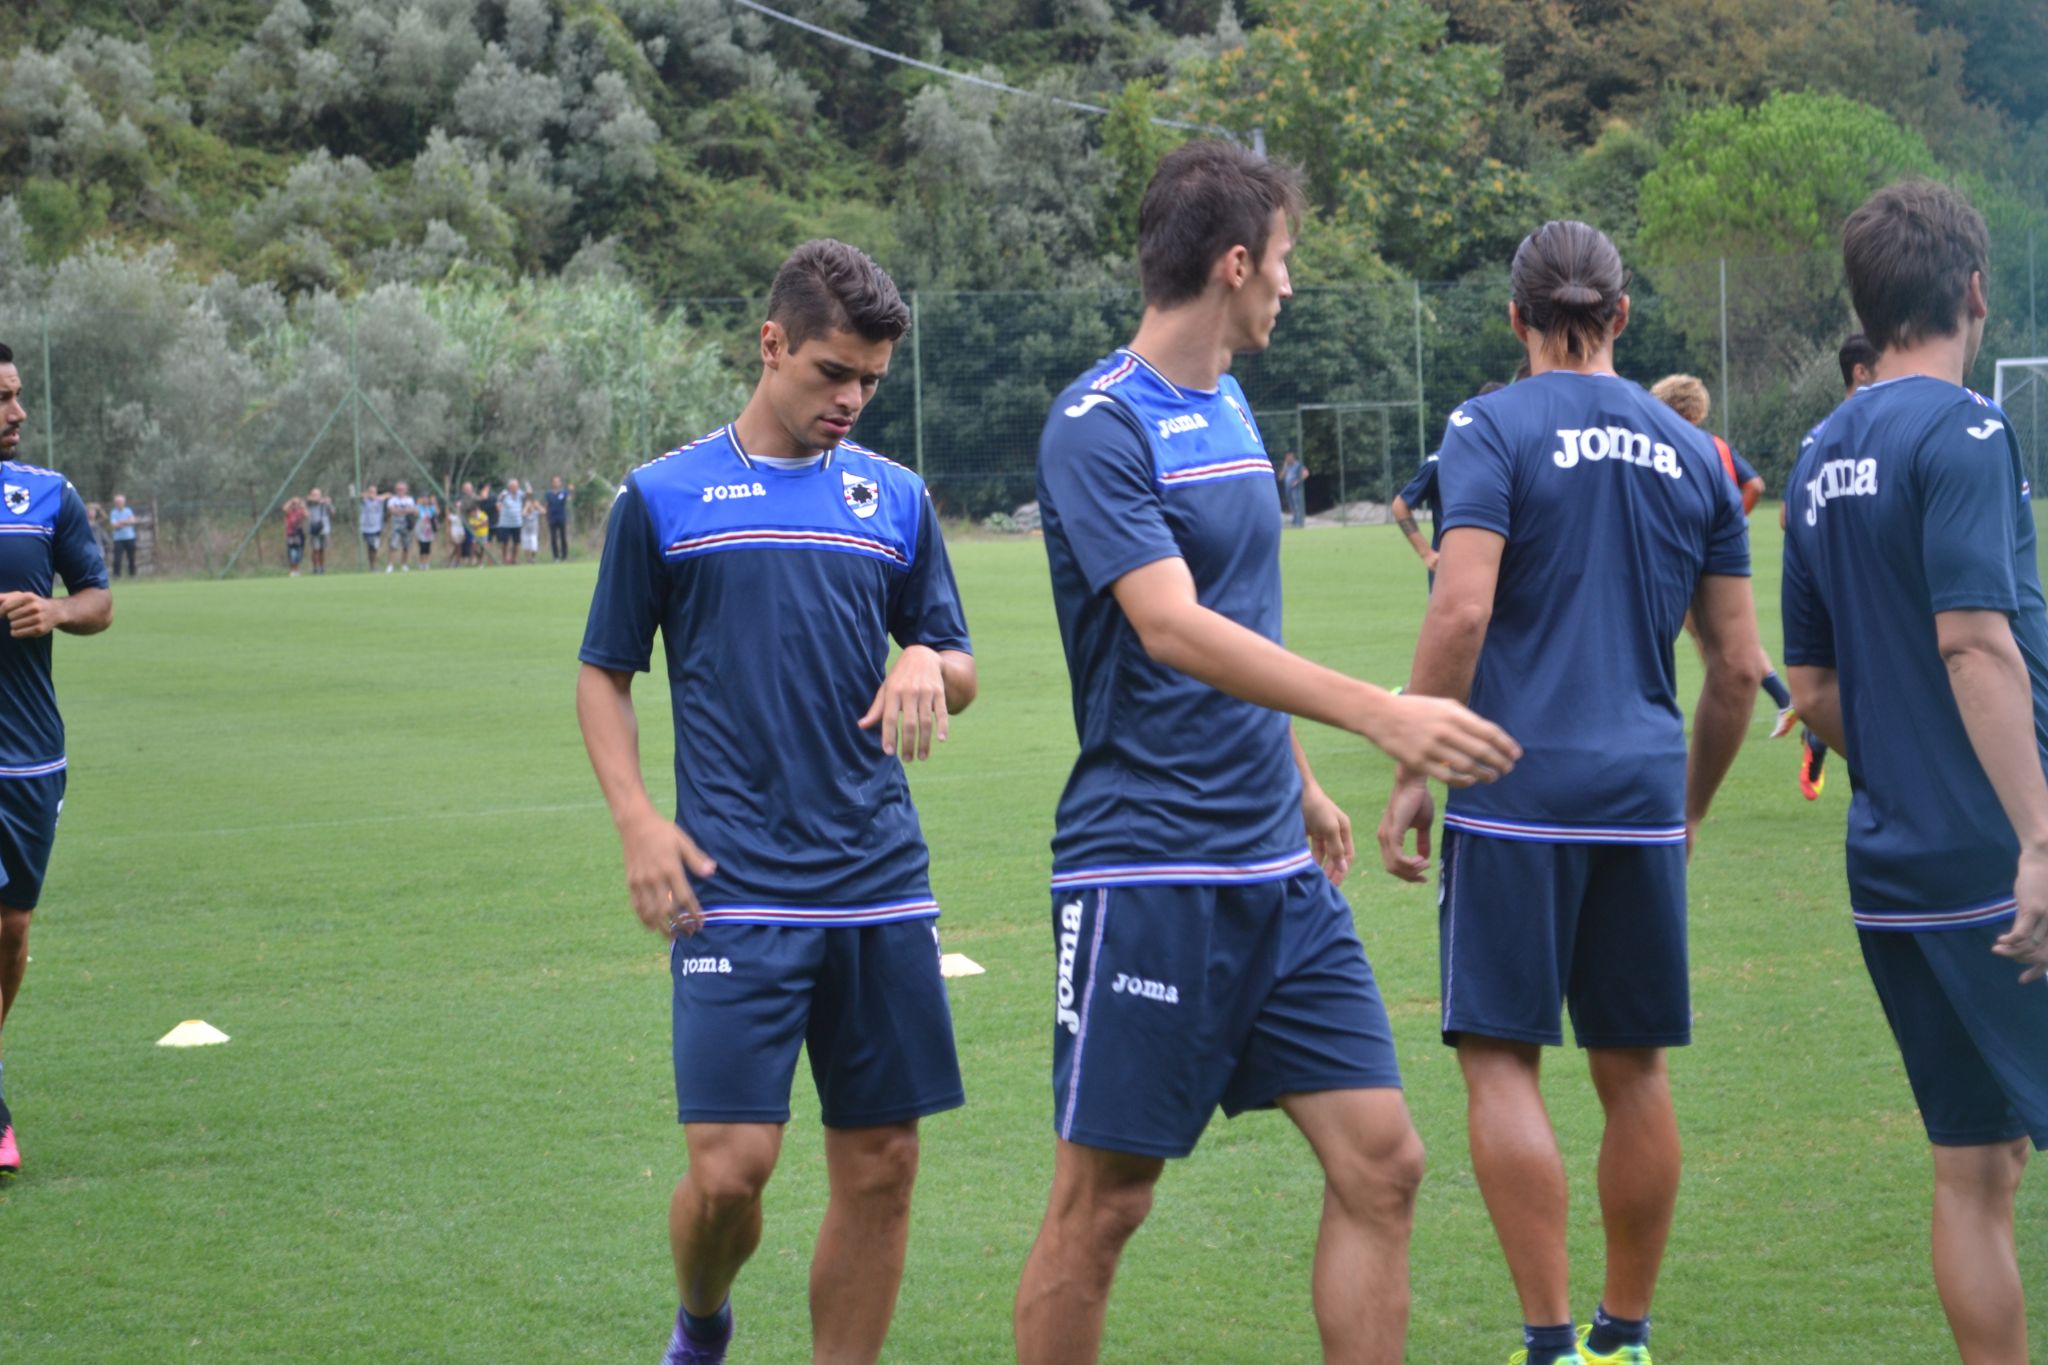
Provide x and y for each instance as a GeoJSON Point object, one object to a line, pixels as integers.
{"type": "Point", "coordinates": [1386, 118]}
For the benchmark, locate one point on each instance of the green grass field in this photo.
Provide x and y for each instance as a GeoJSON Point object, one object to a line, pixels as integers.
{"type": "Point", "coordinates": [349, 821]}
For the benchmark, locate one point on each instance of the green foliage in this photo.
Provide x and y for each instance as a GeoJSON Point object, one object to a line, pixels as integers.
{"type": "Point", "coordinates": [1384, 116]}
{"type": "Point", "coordinates": [59, 217]}
{"type": "Point", "coordinates": [1778, 178]}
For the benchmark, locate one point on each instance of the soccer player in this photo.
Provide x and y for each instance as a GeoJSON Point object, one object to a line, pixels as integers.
{"type": "Point", "coordinates": [1687, 396]}
{"type": "Point", "coordinates": [1582, 518]}
{"type": "Point", "coordinates": [1858, 361]}
{"type": "Point", "coordinates": [1918, 648]}
{"type": "Point", "coordinates": [1202, 956]}
{"type": "Point", "coordinates": [1421, 491]}
{"type": "Point", "coordinates": [43, 536]}
{"type": "Point", "coordinates": [777, 560]}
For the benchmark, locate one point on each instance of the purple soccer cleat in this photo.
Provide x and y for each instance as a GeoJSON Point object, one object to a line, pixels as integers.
{"type": "Point", "coordinates": [684, 1349]}
{"type": "Point", "coordinates": [10, 1154]}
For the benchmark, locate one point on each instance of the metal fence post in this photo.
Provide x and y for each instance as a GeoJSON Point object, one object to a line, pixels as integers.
{"type": "Point", "coordinates": [49, 399]}
{"type": "Point", "coordinates": [917, 383]}
{"type": "Point", "coordinates": [355, 423]}
{"type": "Point", "coordinates": [1421, 427]}
{"type": "Point", "coordinates": [1727, 428]}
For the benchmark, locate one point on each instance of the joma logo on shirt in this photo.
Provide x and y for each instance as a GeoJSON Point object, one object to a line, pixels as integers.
{"type": "Point", "coordinates": [1839, 479]}
{"type": "Point", "coordinates": [719, 492]}
{"type": "Point", "coordinates": [1186, 421]}
{"type": "Point", "coordinates": [1149, 990]}
{"type": "Point", "coordinates": [1618, 444]}
{"type": "Point", "coordinates": [1063, 1014]}
{"type": "Point", "coordinates": [693, 966]}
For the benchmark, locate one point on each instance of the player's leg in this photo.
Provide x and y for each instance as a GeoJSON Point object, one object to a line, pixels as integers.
{"type": "Point", "coordinates": [714, 1217]}
{"type": "Point", "coordinates": [1976, 1268]}
{"type": "Point", "coordinates": [881, 1050]}
{"type": "Point", "coordinates": [1372, 1166]}
{"type": "Point", "coordinates": [14, 925]}
{"type": "Point", "coordinates": [1099, 1199]}
{"type": "Point", "coordinates": [858, 1266]}
{"type": "Point", "coordinates": [1813, 755]}
{"type": "Point", "coordinates": [1520, 1171]}
{"type": "Point", "coordinates": [1781, 696]}
{"type": "Point", "coordinates": [1639, 1167]}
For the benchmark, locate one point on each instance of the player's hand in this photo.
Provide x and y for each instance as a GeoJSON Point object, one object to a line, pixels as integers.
{"type": "Point", "coordinates": [1439, 738]}
{"type": "Point", "coordinates": [1429, 560]}
{"type": "Point", "coordinates": [658, 855]}
{"type": "Point", "coordinates": [2027, 940]}
{"type": "Point", "coordinates": [1409, 806]}
{"type": "Point", "coordinates": [910, 710]}
{"type": "Point", "coordinates": [29, 617]}
{"type": "Point", "coordinates": [1329, 833]}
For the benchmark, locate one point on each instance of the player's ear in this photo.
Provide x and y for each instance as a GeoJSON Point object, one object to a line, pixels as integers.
{"type": "Point", "coordinates": [1516, 325]}
{"type": "Point", "coordinates": [1234, 267]}
{"type": "Point", "coordinates": [1620, 317]}
{"type": "Point", "coordinates": [774, 344]}
{"type": "Point", "coordinates": [1975, 305]}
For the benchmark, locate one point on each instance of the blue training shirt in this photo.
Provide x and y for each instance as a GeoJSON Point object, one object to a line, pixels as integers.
{"type": "Point", "coordinates": [43, 536]}
{"type": "Point", "coordinates": [1913, 499]}
{"type": "Point", "coordinates": [1613, 507]}
{"type": "Point", "coordinates": [1176, 781]}
{"type": "Point", "coordinates": [776, 593]}
{"type": "Point", "coordinates": [1422, 491]}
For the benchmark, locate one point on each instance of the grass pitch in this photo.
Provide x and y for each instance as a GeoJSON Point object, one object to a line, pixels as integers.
{"type": "Point", "coordinates": [348, 820]}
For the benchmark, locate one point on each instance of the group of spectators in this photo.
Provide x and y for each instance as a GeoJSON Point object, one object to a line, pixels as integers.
{"type": "Point", "coordinates": [114, 529]}
{"type": "Point", "coordinates": [404, 529]}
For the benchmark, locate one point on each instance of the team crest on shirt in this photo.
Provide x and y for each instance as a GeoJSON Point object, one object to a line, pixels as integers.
{"type": "Point", "coordinates": [17, 498]}
{"type": "Point", "coordinates": [863, 496]}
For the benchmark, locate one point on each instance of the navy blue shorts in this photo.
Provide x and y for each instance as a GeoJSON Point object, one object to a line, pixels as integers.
{"type": "Point", "coordinates": [1525, 930]}
{"type": "Point", "coordinates": [866, 998]}
{"type": "Point", "coordinates": [1975, 1040]}
{"type": "Point", "coordinates": [29, 807]}
{"type": "Point", "coordinates": [1171, 1000]}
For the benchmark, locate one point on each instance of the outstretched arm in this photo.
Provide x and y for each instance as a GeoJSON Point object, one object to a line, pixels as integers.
{"type": "Point", "coordinates": [1404, 517]}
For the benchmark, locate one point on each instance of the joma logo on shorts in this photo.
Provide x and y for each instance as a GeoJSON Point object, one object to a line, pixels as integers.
{"type": "Point", "coordinates": [720, 492]}
{"type": "Point", "coordinates": [693, 965]}
{"type": "Point", "coordinates": [1149, 990]}
{"type": "Point", "coordinates": [1063, 1015]}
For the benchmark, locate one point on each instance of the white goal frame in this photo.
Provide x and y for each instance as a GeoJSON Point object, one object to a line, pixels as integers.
{"type": "Point", "coordinates": [2038, 365]}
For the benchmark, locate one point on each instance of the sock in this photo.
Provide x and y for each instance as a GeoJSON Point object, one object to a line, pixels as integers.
{"type": "Point", "coordinates": [1777, 690]}
{"type": "Point", "coordinates": [1610, 1333]}
{"type": "Point", "coordinates": [1549, 1345]}
{"type": "Point", "coordinates": [709, 1330]}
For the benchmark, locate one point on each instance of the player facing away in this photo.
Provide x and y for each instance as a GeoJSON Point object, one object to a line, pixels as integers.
{"type": "Point", "coordinates": [44, 536]}
{"type": "Point", "coordinates": [1917, 646]}
{"type": "Point", "coordinates": [1582, 519]}
{"type": "Point", "coordinates": [1202, 957]}
{"type": "Point", "coordinates": [1858, 361]}
{"type": "Point", "coordinates": [1687, 396]}
{"type": "Point", "coordinates": [1421, 491]}
{"type": "Point", "coordinates": [777, 560]}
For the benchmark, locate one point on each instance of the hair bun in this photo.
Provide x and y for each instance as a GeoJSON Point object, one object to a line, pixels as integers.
{"type": "Point", "coordinates": [1574, 295]}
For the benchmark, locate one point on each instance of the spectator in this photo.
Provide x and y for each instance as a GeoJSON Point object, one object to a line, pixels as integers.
{"type": "Point", "coordinates": [96, 518]}
{"type": "Point", "coordinates": [121, 519]}
{"type": "Point", "coordinates": [458, 534]}
{"type": "Point", "coordinates": [401, 515]}
{"type": "Point", "coordinates": [558, 519]}
{"type": "Point", "coordinates": [511, 515]}
{"type": "Point", "coordinates": [1294, 477]}
{"type": "Point", "coordinates": [479, 534]}
{"type": "Point", "coordinates": [294, 533]}
{"type": "Point", "coordinates": [430, 513]}
{"type": "Point", "coordinates": [319, 525]}
{"type": "Point", "coordinates": [371, 523]}
{"type": "Point", "coordinates": [529, 530]}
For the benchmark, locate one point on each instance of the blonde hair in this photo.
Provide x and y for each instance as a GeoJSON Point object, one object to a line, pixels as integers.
{"type": "Point", "coordinates": [1685, 395]}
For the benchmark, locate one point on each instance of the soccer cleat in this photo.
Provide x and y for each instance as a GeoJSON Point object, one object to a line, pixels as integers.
{"type": "Point", "coordinates": [684, 1349]}
{"type": "Point", "coordinates": [1788, 716]}
{"type": "Point", "coordinates": [1812, 754]}
{"type": "Point", "coordinates": [1623, 1355]}
{"type": "Point", "coordinates": [1521, 1357]}
{"type": "Point", "coordinates": [10, 1154]}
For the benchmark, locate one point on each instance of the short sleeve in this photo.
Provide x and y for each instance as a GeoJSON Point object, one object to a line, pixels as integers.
{"type": "Point", "coordinates": [1418, 489]}
{"type": "Point", "coordinates": [1727, 533]}
{"type": "Point", "coordinates": [75, 552]}
{"type": "Point", "coordinates": [1095, 469]}
{"type": "Point", "coordinates": [632, 589]}
{"type": "Point", "coordinates": [1969, 495]}
{"type": "Point", "coordinates": [1809, 629]}
{"type": "Point", "coordinates": [1475, 474]}
{"type": "Point", "coordinates": [1744, 470]}
{"type": "Point", "coordinates": [925, 607]}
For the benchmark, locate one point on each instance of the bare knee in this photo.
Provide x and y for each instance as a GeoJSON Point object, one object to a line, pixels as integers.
{"type": "Point", "coordinates": [1986, 1174]}
{"type": "Point", "coordinates": [1379, 1185]}
{"type": "Point", "coordinates": [874, 1166]}
{"type": "Point", "coordinates": [14, 929]}
{"type": "Point", "coordinates": [1625, 1076]}
{"type": "Point", "coordinates": [728, 1178]}
{"type": "Point", "coordinates": [1115, 1214]}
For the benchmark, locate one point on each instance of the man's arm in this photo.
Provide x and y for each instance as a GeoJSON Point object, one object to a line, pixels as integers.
{"type": "Point", "coordinates": [1995, 697]}
{"type": "Point", "coordinates": [656, 849]}
{"type": "Point", "coordinates": [1817, 696]}
{"type": "Point", "coordinates": [1404, 517]}
{"type": "Point", "coordinates": [1752, 493]}
{"type": "Point", "coordinates": [1446, 656]}
{"type": "Point", "coordinates": [924, 687]}
{"type": "Point", "coordinates": [1428, 733]}
{"type": "Point", "coordinates": [1724, 613]}
{"type": "Point", "coordinates": [1329, 828]}
{"type": "Point", "coordinates": [85, 612]}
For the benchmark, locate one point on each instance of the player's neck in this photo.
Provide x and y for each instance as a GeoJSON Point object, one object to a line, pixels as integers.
{"type": "Point", "coordinates": [1600, 362]}
{"type": "Point", "coordinates": [1942, 358]}
{"type": "Point", "coordinates": [760, 433]}
{"type": "Point", "coordinates": [1187, 344]}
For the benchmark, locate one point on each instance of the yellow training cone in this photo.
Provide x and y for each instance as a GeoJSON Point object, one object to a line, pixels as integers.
{"type": "Point", "coordinates": [192, 1033]}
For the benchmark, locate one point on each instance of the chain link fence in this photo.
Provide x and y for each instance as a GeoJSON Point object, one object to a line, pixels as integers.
{"type": "Point", "coordinates": [212, 412]}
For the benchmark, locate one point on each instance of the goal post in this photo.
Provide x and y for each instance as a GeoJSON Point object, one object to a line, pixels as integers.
{"type": "Point", "coordinates": [2020, 388]}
